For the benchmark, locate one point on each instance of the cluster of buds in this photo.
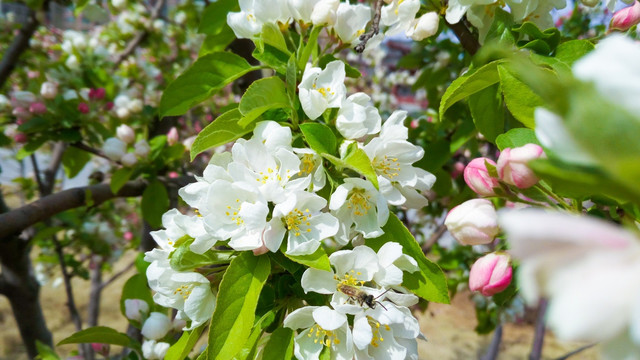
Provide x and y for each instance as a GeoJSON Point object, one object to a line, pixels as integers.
{"type": "Point", "coordinates": [116, 148]}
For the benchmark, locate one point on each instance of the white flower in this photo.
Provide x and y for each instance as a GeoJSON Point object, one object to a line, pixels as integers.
{"type": "Point", "coordinates": [424, 27]}
{"type": "Point", "coordinates": [136, 309]}
{"type": "Point", "coordinates": [72, 62]}
{"type": "Point", "coordinates": [613, 70]}
{"type": "Point", "coordinates": [272, 135]}
{"type": "Point", "coordinates": [126, 134]}
{"type": "Point", "coordinates": [177, 226]}
{"type": "Point", "coordinates": [357, 117]}
{"type": "Point", "coordinates": [123, 113]}
{"type": "Point", "coordinates": [135, 106]}
{"type": "Point", "coordinates": [579, 264]}
{"type": "Point", "coordinates": [324, 12]}
{"type": "Point", "coordinates": [188, 292]}
{"type": "Point", "coordinates": [156, 326]}
{"type": "Point", "coordinates": [180, 17]}
{"type": "Point", "coordinates": [392, 157]}
{"type": "Point", "coordinates": [244, 23]}
{"type": "Point", "coordinates": [119, 4]}
{"type": "Point", "coordinates": [386, 333]}
{"type": "Point", "coordinates": [49, 90]}
{"type": "Point", "coordinates": [311, 166]}
{"type": "Point", "coordinates": [301, 9]}
{"type": "Point", "coordinates": [357, 267]}
{"type": "Point", "coordinates": [358, 202]}
{"type": "Point", "coordinates": [154, 350]}
{"type": "Point", "coordinates": [129, 159]}
{"type": "Point", "coordinates": [322, 89]}
{"type": "Point", "coordinates": [399, 15]}
{"type": "Point", "coordinates": [351, 21]}
{"type": "Point", "coordinates": [301, 217]}
{"type": "Point", "coordinates": [236, 211]}
{"type": "Point", "coordinates": [322, 327]}
{"type": "Point", "coordinates": [114, 148]}
{"type": "Point", "coordinates": [22, 99]}
{"type": "Point", "coordinates": [142, 148]}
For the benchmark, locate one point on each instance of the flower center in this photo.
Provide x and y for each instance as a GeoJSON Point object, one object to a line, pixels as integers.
{"type": "Point", "coordinates": [184, 290]}
{"type": "Point", "coordinates": [250, 17]}
{"type": "Point", "coordinates": [359, 202]}
{"type": "Point", "coordinates": [232, 212]}
{"type": "Point", "coordinates": [388, 166]}
{"type": "Point", "coordinates": [295, 219]}
{"type": "Point", "coordinates": [306, 165]}
{"type": "Point", "coordinates": [271, 174]}
{"type": "Point", "coordinates": [325, 337]}
{"type": "Point", "coordinates": [350, 279]}
{"type": "Point", "coordinates": [323, 90]}
{"type": "Point", "coordinates": [376, 329]}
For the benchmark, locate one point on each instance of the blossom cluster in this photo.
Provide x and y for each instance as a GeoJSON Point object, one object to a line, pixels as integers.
{"type": "Point", "coordinates": [346, 21]}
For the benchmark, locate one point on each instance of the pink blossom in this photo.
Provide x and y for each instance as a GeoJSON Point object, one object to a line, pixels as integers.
{"type": "Point", "coordinates": [490, 274]}
{"type": "Point", "coordinates": [625, 18]}
{"type": "Point", "coordinates": [474, 222]}
{"type": "Point", "coordinates": [38, 108]}
{"type": "Point", "coordinates": [478, 178]}
{"type": "Point", "coordinates": [173, 175]}
{"type": "Point", "coordinates": [21, 113]}
{"type": "Point", "coordinates": [21, 138]}
{"type": "Point", "coordinates": [83, 108]}
{"type": "Point", "coordinates": [513, 168]}
{"type": "Point", "coordinates": [172, 136]}
{"type": "Point", "coordinates": [102, 349]}
{"type": "Point", "coordinates": [128, 235]}
{"type": "Point", "coordinates": [97, 94]}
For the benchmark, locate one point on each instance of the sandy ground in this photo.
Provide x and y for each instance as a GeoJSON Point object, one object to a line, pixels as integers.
{"type": "Point", "coordinates": [449, 328]}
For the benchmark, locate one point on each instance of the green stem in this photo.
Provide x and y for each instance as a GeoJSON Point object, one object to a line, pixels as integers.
{"type": "Point", "coordinates": [560, 201]}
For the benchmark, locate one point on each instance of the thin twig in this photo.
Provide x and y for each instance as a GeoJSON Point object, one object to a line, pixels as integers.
{"type": "Point", "coordinates": [494, 347]}
{"type": "Point", "coordinates": [71, 304]}
{"type": "Point", "coordinates": [54, 165]}
{"type": "Point", "coordinates": [440, 230]}
{"type": "Point", "coordinates": [36, 173]}
{"type": "Point", "coordinates": [116, 276]}
{"type": "Point", "coordinates": [140, 36]}
{"type": "Point", "coordinates": [467, 39]}
{"type": "Point", "coordinates": [576, 351]}
{"type": "Point", "coordinates": [18, 46]}
{"type": "Point", "coordinates": [94, 151]}
{"type": "Point", "coordinates": [375, 27]}
{"type": "Point", "coordinates": [538, 338]}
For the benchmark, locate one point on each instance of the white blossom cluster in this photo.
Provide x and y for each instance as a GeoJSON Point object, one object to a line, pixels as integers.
{"type": "Point", "coordinates": [348, 22]}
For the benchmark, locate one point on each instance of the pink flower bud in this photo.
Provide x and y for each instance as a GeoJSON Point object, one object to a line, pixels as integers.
{"type": "Point", "coordinates": [173, 175]}
{"type": "Point", "coordinates": [477, 177]}
{"type": "Point", "coordinates": [128, 235]}
{"type": "Point", "coordinates": [172, 136]}
{"type": "Point", "coordinates": [38, 108]}
{"type": "Point", "coordinates": [31, 74]}
{"type": "Point", "coordinates": [490, 274]}
{"type": "Point", "coordinates": [83, 108]}
{"type": "Point", "coordinates": [97, 94]}
{"type": "Point", "coordinates": [512, 165]}
{"type": "Point", "coordinates": [22, 113]}
{"type": "Point", "coordinates": [625, 18]}
{"type": "Point", "coordinates": [22, 99]}
{"type": "Point", "coordinates": [21, 138]}
{"type": "Point", "coordinates": [474, 222]}
{"type": "Point", "coordinates": [458, 169]}
{"type": "Point", "coordinates": [102, 349]}
{"type": "Point", "coordinates": [108, 106]}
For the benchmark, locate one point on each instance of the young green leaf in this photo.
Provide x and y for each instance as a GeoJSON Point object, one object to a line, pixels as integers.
{"type": "Point", "coordinates": [238, 294]}
{"type": "Point", "coordinates": [262, 95]}
{"type": "Point", "coordinates": [519, 98]}
{"type": "Point", "coordinates": [487, 112]}
{"type": "Point", "coordinates": [220, 131]}
{"type": "Point", "coordinates": [155, 202]}
{"type": "Point", "coordinates": [280, 345]}
{"type": "Point", "coordinates": [74, 160]}
{"type": "Point", "coordinates": [317, 260]}
{"type": "Point", "coordinates": [102, 335]}
{"type": "Point", "coordinates": [319, 137]}
{"type": "Point", "coordinates": [119, 178]}
{"type": "Point", "coordinates": [214, 17]}
{"type": "Point", "coordinates": [516, 137]}
{"type": "Point", "coordinates": [181, 349]}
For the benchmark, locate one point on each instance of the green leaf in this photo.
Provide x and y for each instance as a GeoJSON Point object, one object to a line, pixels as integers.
{"type": "Point", "coordinates": [520, 99]}
{"type": "Point", "coordinates": [206, 76]}
{"type": "Point", "coordinates": [429, 282]}
{"type": "Point", "coordinates": [74, 160]}
{"type": "Point", "coordinates": [570, 51]}
{"type": "Point", "coordinates": [214, 17]}
{"type": "Point", "coordinates": [543, 42]}
{"type": "Point", "coordinates": [516, 137]}
{"type": "Point", "coordinates": [238, 294]}
{"type": "Point", "coordinates": [349, 70]}
{"type": "Point", "coordinates": [272, 57]}
{"type": "Point", "coordinates": [500, 30]}
{"type": "Point", "coordinates": [100, 334]}
{"type": "Point", "coordinates": [136, 288]}
{"type": "Point", "coordinates": [312, 43]}
{"type": "Point", "coordinates": [217, 42]}
{"type": "Point", "coordinates": [155, 202]}
{"type": "Point", "coordinates": [318, 260]}
{"type": "Point", "coordinates": [119, 178]}
{"type": "Point", "coordinates": [272, 35]}
{"type": "Point", "coordinates": [487, 112]}
{"type": "Point", "coordinates": [319, 137]}
{"type": "Point", "coordinates": [356, 159]}
{"type": "Point", "coordinates": [280, 345]}
{"type": "Point", "coordinates": [468, 84]}
{"type": "Point", "coordinates": [222, 130]}
{"type": "Point", "coordinates": [292, 78]}
{"type": "Point", "coordinates": [45, 352]}
{"type": "Point", "coordinates": [181, 349]}
{"type": "Point", "coordinates": [258, 329]}
{"type": "Point", "coordinates": [262, 95]}
{"type": "Point", "coordinates": [183, 259]}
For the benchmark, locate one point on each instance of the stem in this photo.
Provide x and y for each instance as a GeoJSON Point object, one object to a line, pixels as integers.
{"type": "Point", "coordinates": [36, 173]}
{"type": "Point", "coordinates": [375, 27]}
{"type": "Point", "coordinates": [19, 45]}
{"type": "Point", "coordinates": [115, 276]}
{"type": "Point", "coordinates": [71, 304]}
{"type": "Point", "coordinates": [538, 338]}
{"type": "Point", "coordinates": [426, 247]}
{"type": "Point", "coordinates": [576, 351]}
{"type": "Point", "coordinates": [467, 39]}
{"type": "Point", "coordinates": [555, 197]}
{"type": "Point", "coordinates": [93, 151]}
{"type": "Point", "coordinates": [494, 347]}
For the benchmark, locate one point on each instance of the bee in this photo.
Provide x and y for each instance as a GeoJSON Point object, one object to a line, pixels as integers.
{"type": "Point", "coordinates": [361, 296]}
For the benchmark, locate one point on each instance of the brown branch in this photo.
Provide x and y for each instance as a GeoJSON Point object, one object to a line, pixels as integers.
{"type": "Point", "coordinates": [71, 304]}
{"type": "Point", "coordinates": [36, 173]}
{"type": "Point", "coordinates": [467, 39]}
{"type": "Point", "coordinates": [17, 220]}
{"type": "Point", "coordinates": [426, 247]}
{"type": "Point", "coordinates": [375, 27]}
{"type": "Point", "coordinates": [538, 335]}
{"type": "Point", "coordinates": [94, 151]}
{"type": "Point", "coordinates": [116, 276]}
{"type": "Point", "coordinates": [54, 165]}
{"type": "Point", "coordinates": [140, 36]}
{"type": "Point", "coordinates": [18, 46]}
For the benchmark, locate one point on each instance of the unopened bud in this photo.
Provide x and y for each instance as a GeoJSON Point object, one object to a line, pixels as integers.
{"type": "Point", "coordinates": [474, 222]}
{"type": "Point", "coordinates": [142, 149]}
{"type": "Point", "coordinates": [97, 94]}
{"type": "Point", "coordinates": [129, 159]}
{"type": "Point", "coordinates": [478, 178]}
{"type": "Point", "coordinates": [126, 134]}
{"type": "Point", "coordinates": [49, 90]}
{"type": "Point", "coordinates": [156, 326]}
{"type": "Point", "coordinates": [490, 274]}
{"type": "Point", "coordinates": [625, 18]}
{"type": "Point", "coordinates": [172, 136]}
{"type": "Point", "coordinates": [102, 349]}
{"type": "Point", "coordinates": [424, 27]}
{"type": "Point", "coordinates": [135, 309]}
{"type": "Point", "coordinates": [513, 168]}
{"type": "Point", "coordinates": [83, 108]}
{"type": "Point", "coordinates": [38, 108]}
{"type": "Point", "coordinates": [114, 148]}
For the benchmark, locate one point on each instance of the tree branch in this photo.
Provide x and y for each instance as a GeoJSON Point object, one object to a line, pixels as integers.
{"type": "Point", "coordinates": [17, 220]}
{"type": "Point", "coordinates": [440, 230]}
{"type": "Point", "coordinates": [71, 304]}
{"type": "Point", "coordinates": [94, 151]}
{"type": "Point", "coordinates": [18, 46]}
{"type": "Point", "coordinates": [538, 337]}
{"type": "Point", "coordinates": [54, 165]}
{"type": "Point", "coordinates": [140, 36]}
{"type": "Point", "coordinates": [375, 27]}
{"type": "Point", "coordinates": [115, 276]}
{"type": "Point", "coordinates": [467, 40]}
{"type": "Point", "coordinates": [36, 174]}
